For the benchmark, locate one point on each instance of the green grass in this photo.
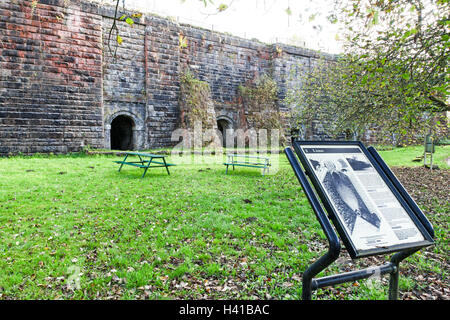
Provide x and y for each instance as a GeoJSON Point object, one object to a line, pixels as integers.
{"type": "Point", "coordinates": [198, 233]}
{"type": "Point", "coordinates": [404, 156]}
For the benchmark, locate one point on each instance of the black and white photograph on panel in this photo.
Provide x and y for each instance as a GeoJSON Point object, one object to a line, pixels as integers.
{"type": "Point", "coordinates": [368, 210]}
{"type": "Point", "coordinates": [343, 193]}
{"type": "Point", "coordinates": [358, 164]}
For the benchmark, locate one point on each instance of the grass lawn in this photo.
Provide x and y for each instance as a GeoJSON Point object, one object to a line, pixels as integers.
{"type": "Point", "coordinates": [404, 156]}
{"type": "Point", "coordinates": [72, 227]}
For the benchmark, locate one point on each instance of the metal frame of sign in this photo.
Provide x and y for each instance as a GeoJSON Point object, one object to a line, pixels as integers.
{"type": "Point", "coordinates": [310, 283]}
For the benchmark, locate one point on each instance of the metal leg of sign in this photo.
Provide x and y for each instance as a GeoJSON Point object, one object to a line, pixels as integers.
{"type": "Point", "coordinates": [333, 240]}
{"type": "Point", "coordinates": [308, 283]}
{"type": "Point", "coordinates": [392, 268]}
{"type": "Point", "coordinates": [393, 281]}
{"type": "Point", "coordinates": [353, 276]}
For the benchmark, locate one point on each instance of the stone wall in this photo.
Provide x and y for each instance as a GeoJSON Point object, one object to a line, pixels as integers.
{"type": "Point", "coordinates": [225, 62]}
{"type": "Point", "coordinates": [163, 81]}
{"type": "Point", "coordinates": [124, 76]}
{"type": "Point", "coordinates": [61, 87]}
{"type": "Point", "coordinates": [50, 78]}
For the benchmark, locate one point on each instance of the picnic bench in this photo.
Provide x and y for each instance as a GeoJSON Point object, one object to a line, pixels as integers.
{"type": "Point", "coordinates": [146, 161]}
{"type": "Point", "coordinates": [247, 161]}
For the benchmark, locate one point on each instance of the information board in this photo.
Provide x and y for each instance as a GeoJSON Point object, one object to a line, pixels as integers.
{"type": "Point", "coordinates": [371, 216]}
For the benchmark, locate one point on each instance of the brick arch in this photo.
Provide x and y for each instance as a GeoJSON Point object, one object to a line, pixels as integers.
{"type": "Point", "coordinates": [224, 123]}
{"type": "Point", "coordinates": [137, 128]}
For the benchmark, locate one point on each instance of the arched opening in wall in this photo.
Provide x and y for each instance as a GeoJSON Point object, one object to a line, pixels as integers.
{"type": "Point", "coordinates": [223, 125]}
{"type": "Point", "coordinates": [122, 133]}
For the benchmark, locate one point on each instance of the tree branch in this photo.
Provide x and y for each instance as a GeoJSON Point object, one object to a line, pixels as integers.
{"type": "Point", "coordinates": [113, 27]}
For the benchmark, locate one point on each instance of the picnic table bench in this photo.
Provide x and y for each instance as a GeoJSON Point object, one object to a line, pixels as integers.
{"type": "Point", "coordinates": [146, 161]}
{"type": "Point", "coordinates": [247, 161]}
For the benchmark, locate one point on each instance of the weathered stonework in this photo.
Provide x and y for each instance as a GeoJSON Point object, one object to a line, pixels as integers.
{"type": "Point", "coordinates": [61, 89]}
{"type": "Point", "coordinates": [50, 78]}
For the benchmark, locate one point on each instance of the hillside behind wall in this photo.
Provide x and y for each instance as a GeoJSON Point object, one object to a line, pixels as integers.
{"type": "Point", "coordinates": [60, 88]}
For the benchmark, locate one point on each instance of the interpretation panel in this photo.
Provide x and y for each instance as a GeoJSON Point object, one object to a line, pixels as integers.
{"type": "Point", "coordinates": [370, 215]}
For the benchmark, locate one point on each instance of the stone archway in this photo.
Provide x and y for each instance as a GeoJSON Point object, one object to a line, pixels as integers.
{"type": "Point", "coordinates": [224, 125]}
{"type": "Point", "coordinates": [124, 131]}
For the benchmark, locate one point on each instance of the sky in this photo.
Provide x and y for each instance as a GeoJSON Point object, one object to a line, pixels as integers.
{"type": "Point", "coordinates": [265, 20]}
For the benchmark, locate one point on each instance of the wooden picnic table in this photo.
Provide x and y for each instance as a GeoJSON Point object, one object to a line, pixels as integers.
{"type": "Point", "coordinates": [146, 161]}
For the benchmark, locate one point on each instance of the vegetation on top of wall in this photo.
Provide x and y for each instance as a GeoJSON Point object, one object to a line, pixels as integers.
{"type": "Point", "coordinates": [260, 103]}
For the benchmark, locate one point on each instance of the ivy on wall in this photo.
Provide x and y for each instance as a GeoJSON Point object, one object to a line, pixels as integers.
{"type": "Point", "coordinates": [196, 104]}
{"type": "Point", "coordinates": [260, 105]}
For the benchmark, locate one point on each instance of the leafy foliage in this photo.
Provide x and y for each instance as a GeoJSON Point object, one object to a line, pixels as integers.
{"type": "Point", "coordinates": [393, 75]}
{"type": "Point", "coordinates": [407, 38]}
{"type": "Point", "coordinates": [260, 102]}
{"type": "Point", "coordinates": [196, 104]}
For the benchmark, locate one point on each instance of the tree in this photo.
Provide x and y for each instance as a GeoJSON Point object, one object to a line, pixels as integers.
{"type": "Point", "coordinates": [393, 74]}
{"type": "Point", "coordinates": [407, 37]}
